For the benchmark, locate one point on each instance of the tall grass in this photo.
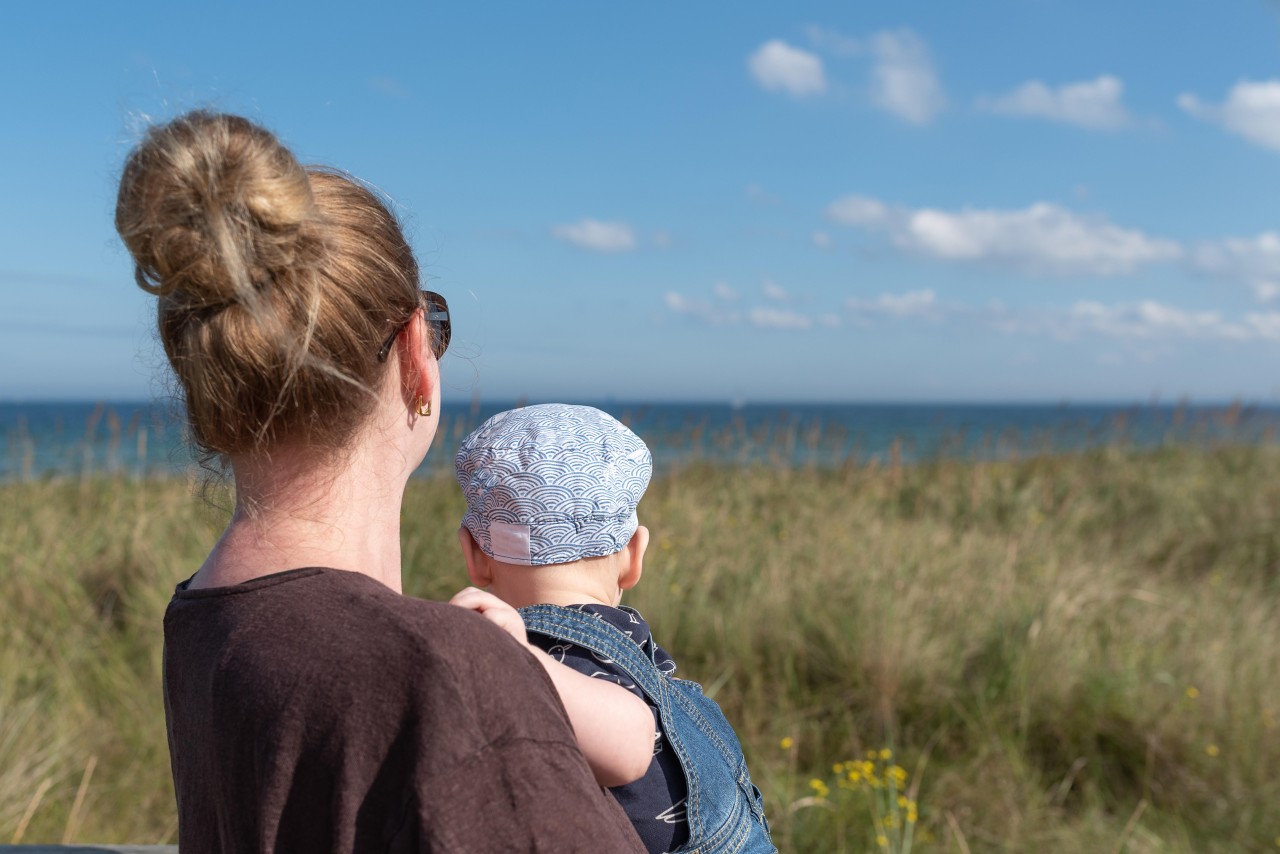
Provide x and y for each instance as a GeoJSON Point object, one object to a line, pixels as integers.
{"type": "Point", "coordinates": [1074, 653]}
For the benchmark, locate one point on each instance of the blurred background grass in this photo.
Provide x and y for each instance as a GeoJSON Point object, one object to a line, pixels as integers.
{"type": "Point", "coordinates": [1068, 653]}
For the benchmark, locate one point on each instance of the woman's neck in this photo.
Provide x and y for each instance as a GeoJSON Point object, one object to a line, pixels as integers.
{"type": "Point", "coordinates": [292, 513]}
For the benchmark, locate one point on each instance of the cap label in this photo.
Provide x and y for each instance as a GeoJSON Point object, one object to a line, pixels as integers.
{"type": "Point", "coordinates": [510, 542]}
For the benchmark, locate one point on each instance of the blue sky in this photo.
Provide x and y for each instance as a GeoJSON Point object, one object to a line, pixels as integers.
{"type": "Point", "coordinates": [1037, 200]}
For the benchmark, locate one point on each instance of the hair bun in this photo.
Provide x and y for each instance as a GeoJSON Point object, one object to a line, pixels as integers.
{"type": "Point", "coordinates": [277, 284]}
{"type": "Point", "coordinates": [213, 209]}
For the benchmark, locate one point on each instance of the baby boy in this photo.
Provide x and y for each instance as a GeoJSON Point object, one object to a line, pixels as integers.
{"type": "Point", "coordinates": [551, 529]}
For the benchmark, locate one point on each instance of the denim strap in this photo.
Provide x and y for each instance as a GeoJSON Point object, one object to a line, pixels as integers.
{"type": "Point", "coordinates": [604, 640]}
{"type": "Point", "coordinates": [723, 811]}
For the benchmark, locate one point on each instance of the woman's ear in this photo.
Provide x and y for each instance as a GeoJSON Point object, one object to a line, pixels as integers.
{"type": "Point", "coordinates": [633, 566]}
{"type": "Point", "coordinates": [419, 370]}
{"type": "Point", "coordinates": [477, 561]}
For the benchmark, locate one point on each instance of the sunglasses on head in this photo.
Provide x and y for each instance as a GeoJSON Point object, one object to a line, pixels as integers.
{"type": "Point", "coordinates": [436, 311]}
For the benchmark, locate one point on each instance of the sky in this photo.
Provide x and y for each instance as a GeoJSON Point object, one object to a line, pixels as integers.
{"type": "Point", "coordinates": [1042, 200]}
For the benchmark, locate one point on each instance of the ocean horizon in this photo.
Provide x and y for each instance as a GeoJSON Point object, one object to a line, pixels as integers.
{"type": "Point", "coordinates": [146, 438]}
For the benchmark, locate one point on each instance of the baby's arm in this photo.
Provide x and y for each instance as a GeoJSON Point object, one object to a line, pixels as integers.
{"type": "Point", "coordinates": [614, 727]}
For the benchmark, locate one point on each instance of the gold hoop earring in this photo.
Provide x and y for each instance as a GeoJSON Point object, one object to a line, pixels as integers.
{"type": "Point", "coordinates": [424, 407]}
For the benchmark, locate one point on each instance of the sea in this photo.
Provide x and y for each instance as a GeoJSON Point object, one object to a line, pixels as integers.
{"type": "Point", "coordinates": [145, 439]}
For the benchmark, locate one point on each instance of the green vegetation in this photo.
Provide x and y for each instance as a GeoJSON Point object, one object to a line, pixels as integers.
{"type": "Point", "coordinates": [1074, 653]}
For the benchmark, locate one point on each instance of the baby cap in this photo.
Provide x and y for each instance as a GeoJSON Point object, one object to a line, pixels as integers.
{"type": "Point", "coordinates": [552, 483]}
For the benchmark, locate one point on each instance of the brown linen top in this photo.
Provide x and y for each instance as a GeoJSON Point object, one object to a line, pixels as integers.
{"type": "Point", "coordinates": [317, 710]}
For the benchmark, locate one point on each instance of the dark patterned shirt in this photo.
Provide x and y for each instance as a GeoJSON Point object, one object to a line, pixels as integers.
{"type": "Point", "coordinates": [656, 802]}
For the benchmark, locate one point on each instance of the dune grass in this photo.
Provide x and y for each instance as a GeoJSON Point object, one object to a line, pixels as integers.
{"type": "Point", "coordinates": [1077, 653]}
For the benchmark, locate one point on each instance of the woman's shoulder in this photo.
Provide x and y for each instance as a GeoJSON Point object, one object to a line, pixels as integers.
{"type": "Point", "coordinates": [318, 614]}
{"type": "Point", "coordinates": [373, 613]}
{"type": "Point", "coordinates": [348, 640]}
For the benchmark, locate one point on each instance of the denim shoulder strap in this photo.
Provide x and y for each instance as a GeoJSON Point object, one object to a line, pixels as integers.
{"type": "Point", "coordinates": [602, 638]}
{"type": "Point", "coordinates": [723, 808]}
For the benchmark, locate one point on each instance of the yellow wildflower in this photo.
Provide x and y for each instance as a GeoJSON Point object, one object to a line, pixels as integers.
{"type": "Point", "coordinates": [899, 774]}
{"type": "Point", "coordinates": [1212, 750]}
{"type": "Point", "coordinates": [886, 753]}
{"type": "Point", "coordinates": [902, 801]}
{"type": "Point", "coordinates": [882, 840]}
{"type": "Point", "coordinates": [786, 742]}
{"type": "Point", "coordinates": [838, 768]}
{"type": "Point", "coordinates": [819, 787]}
{"type": "Point", "coordinates": [1192, 692]}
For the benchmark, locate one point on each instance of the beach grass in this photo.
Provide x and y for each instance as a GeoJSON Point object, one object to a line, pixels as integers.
{"type": "Point", "coordinates": [1061, 653]}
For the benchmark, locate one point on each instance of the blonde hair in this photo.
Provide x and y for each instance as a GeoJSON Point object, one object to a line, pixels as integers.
{"type": "Point", "coordinates": [276, 283]}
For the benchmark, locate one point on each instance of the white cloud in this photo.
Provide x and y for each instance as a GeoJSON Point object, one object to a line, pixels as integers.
{"type": "Point", "coordinates": [1151, 319]}
{"type": "Point", "coordinates": [777, 318]}
{"type": "Point", "coordinates": [1041, 239]}
{"type": "Point", "coordinates": [858, 211]}
{"type": "Point", "coordinates": [903, 81]}
{"type": "Point", "coordinates": [1264, 326]}
{"type": "Point", "coordinates": [597, 236]}
{"type": "Point", "coordinates": [1094, 104]}
{"type": "Point", "coordinates": [662, 240]}
{"type": "Point", "coordinates": [833, 42]}
{"type": "Point", "coordinates": [700, 309]}
{"type": "Point", "coordinates": [1251, 110]}
{"type": "Point", "coordinates": [721, 313]}
{"type": "Point", "coordinates": [821, 239]}
{"type": "Point", "coordinates": [1021, 321]}
{"type": "Point", "coordinates": [776, 292]}
{"type": "Point", "coordinates": [1252, 260]}
{"type": "Point", "coordinates": [910, 304]}
{"type": "Point", "coordinates": [1050, 240]}
{"type": "Point", "coordinates": [1143, 322]}
{"type": "Point", "coordinates": [779, 67]}
{"type": "Point", "coordinates": [760, 195]}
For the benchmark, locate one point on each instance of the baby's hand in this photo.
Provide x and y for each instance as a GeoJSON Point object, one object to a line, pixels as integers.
{"type": "Point", "coordinates": [492, 609]}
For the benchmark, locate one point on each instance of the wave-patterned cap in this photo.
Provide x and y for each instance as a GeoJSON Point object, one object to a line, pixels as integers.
{"type": "Point", "coordinates": [552, 483]}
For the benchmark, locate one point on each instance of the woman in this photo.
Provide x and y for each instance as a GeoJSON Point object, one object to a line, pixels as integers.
{"type": "Point", "coordinates": [310, 706]}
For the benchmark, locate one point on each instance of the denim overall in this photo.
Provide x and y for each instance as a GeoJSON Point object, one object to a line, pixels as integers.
{"type": "Point", "coordinates": [724, 809]}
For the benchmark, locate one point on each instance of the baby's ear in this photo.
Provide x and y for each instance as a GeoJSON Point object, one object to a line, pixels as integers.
{"type": "Point", "coordinates": [478, 568]}
{"type": "Point", "coordinates": [633, 566]}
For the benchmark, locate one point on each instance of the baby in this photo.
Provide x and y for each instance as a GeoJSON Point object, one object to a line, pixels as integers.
{"type": "Point", "coordinates": [551, 529]}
